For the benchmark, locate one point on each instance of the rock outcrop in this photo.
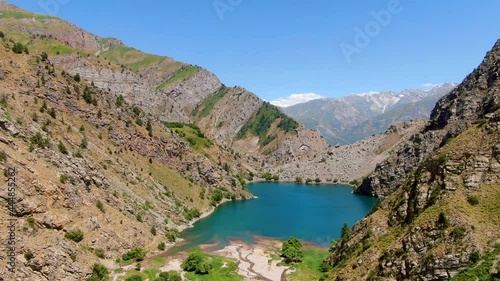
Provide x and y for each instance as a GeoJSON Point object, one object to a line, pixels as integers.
{"type": "Point", "coordinates": [453, 114]}
{"type": "Point", "coordinates": [439, 217]}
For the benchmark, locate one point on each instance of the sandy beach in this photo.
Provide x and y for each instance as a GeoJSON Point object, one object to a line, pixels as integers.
{"type": "Point", "coordinates": [255, 262]}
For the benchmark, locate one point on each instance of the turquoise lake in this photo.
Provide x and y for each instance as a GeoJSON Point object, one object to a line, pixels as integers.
{"type": "Point", "coordinates": [311, 213]}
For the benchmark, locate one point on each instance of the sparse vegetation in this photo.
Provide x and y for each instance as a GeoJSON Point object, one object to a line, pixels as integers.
{"type": "Point", "coordinates": [100, 206]}
{"type": "Point", "coordinates": [136, 253]}
{"type": "Point", "coordinates": [63, 178]}
{"type": "Point", "coordinates": [182, 74]}
{"type": "Point", "coordinates": [75, 235]}
{"type": "Point", "coordinates": [473, 200]}
{"type": "Point", "coordinates": [190, 214]}
{"type": "Point", "coordinates": [261, 123]}
{"type": "Point", "coordinates": [99, 273]}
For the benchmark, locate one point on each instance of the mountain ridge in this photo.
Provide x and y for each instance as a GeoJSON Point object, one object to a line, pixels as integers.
{"type": "Point", "coordinates": [348, 119]}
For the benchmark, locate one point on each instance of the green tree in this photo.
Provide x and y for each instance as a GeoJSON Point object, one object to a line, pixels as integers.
{"type": "Point", "coordinates": [169, 276]}
{"type": "Point", "coordinates": [291, 250]}
{"type": "Point", "coordinates": [196, 262]}
{"type": "Point", "coordinates": [99, 273]}
{"type": "Point", "coordinates": [149, 127]}
{"type": "Point", "coordinates": [345, 232]}
{"type": "Point", "coordinates": [136, 253]}
{"type": "Point", "coordinates": [2, 35]}
{"type": "Point", "coordinates": [298, 180]}
{"type": "Point", "coordinates": [18, 48]}
{"type": "Point", "coordinates": [77, 77]}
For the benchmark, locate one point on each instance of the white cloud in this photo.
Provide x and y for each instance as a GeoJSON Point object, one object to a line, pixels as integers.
{"type": "Point", "coordinates": [370, 93]}
{"type": "Point", "coordinates": [430, 85]}
{"type": "Point", "coordinates": [294, 99]}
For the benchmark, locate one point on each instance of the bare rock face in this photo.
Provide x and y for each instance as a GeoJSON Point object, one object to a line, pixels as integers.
{"type": "Point", "coordinates": [436, 219]}
{"type": "Point", "coordinates": [476, 96]}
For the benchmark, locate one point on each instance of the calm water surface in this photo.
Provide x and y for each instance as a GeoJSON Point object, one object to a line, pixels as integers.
{"type": "Point", "coordinates": [312, 213]}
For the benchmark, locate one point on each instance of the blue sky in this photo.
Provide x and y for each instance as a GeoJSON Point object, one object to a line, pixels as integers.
{"type": "Point", "coordinates": [276, 48]}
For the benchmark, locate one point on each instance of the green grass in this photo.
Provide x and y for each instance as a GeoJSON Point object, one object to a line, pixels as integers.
{"type": "Point", "coordinates": [182, 74]}
{"type": "Point", "coordinates": [211, 101]}
{"type": "Point", "coordinates": [23, 15]}
{"type": "Point", "coordinates": [481, 270]}
{"type": "Point", "coordinates": [133, 272]}
{"type": "Point", "coordinates": [57, 48]}
{"type": "Point", "coordinates": [192, 134]}
{"type": "Point", "coordinates": [261, 123]}
{"type": "Point", "coordinates": [309, 268]}
{"type": "Point", "coordinates": [218, 272]}
{"type": "Point", "coordinates": [131, 58]}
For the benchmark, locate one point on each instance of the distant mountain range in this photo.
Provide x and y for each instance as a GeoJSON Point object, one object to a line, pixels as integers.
{"type": "Point", "coordinates": [349, 119]}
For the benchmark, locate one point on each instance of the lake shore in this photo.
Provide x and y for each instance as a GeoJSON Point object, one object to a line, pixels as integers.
{"type": "Point", "coordinates": [258, 261]}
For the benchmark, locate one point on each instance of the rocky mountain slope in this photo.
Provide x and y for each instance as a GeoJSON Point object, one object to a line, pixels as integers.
{"type": "Point", "coordinates": [349, 163]}
{"type": "Point", "coordinates": [86, 159]}
{"type": "Point", "coordinates": [349, 119]}
{"type": "Point", "coordinates": [453, 114]}
{"type": "Point", "coordinates": [440, 220]}
{"type": "Point", "coordinates": [167, 89]}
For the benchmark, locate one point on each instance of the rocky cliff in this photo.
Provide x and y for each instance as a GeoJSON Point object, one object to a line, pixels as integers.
{"type": "Point", "coordinates": [439, 220]}
{"type": "Point", "coordinates": [454, 113]}
{"type": "Point", "coordinates": [87, 160]}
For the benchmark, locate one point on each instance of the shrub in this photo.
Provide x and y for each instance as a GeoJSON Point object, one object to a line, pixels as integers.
{"type": "Point", "coordinates": [443, 220]}
{"type": "Point", "coordinates": [119, 101]}
{"type": "Point", "coordinates": [136, 253]}
{"type": "Point", "coordinates": [84, 143]}
{"type": "Point", "coordinates": [190, 214]}
{"type": "Point", "coordinates": [172, 235]}
{"type": "Point", "coordinates": [169, 276]}
{"type": "Point", "coordinates": [458, 232]}
{"type": "Point", "coordinates": [139, 217]}
{"type": "Point", "coordinates": [473, 200]}
{"type": "Point", "coordinates": [75, 235]}
{"type": "Point", "coordinates": [30, 221]}
{"type": "Point", "coordinates": [44, 56]}
{"type": "Point", "coordinates": [474, 257]}
{"type": "Point", "coordinates": [18, 48]}
{"type": "Point", "coordinates": [77, 77]}
{"type": "Point", "coordinates": [39, 141]}
{"type": "Point", "coordinates": [354, 182]}
{"type": "Point", "coordinates": [3, 155]}
{"type": "Point", "coordinates": [217, 196]}
{"type": "Point", "coordinates": [196, 262]}
{"type": "Point", "coordinates": [52, 113]}
{"type": "Point", "coordinates": [2, 35]}
{"type": "Point", "coordinates": [62, 148]}
{"type": "Point", "coordinates": [298, 180]}
{"type": "Point", "coordinates": [28, 255]}
{"type": "Point", "coordinates": [100, 206]}
{"type": "Point", "coordinates": [99, 272]}
{"type": "Point", "coordinates": [99, 252]}
{"type": "Point", "coordinates": [63, 178]}
{"type": "Point", "coordinates": [317, 180]}
{"type": "Point", "coordinates": [162, 246]}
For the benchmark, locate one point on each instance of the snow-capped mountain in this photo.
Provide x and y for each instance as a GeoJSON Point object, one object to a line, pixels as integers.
{"type": "Point", "coordinates": [348, 119]}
